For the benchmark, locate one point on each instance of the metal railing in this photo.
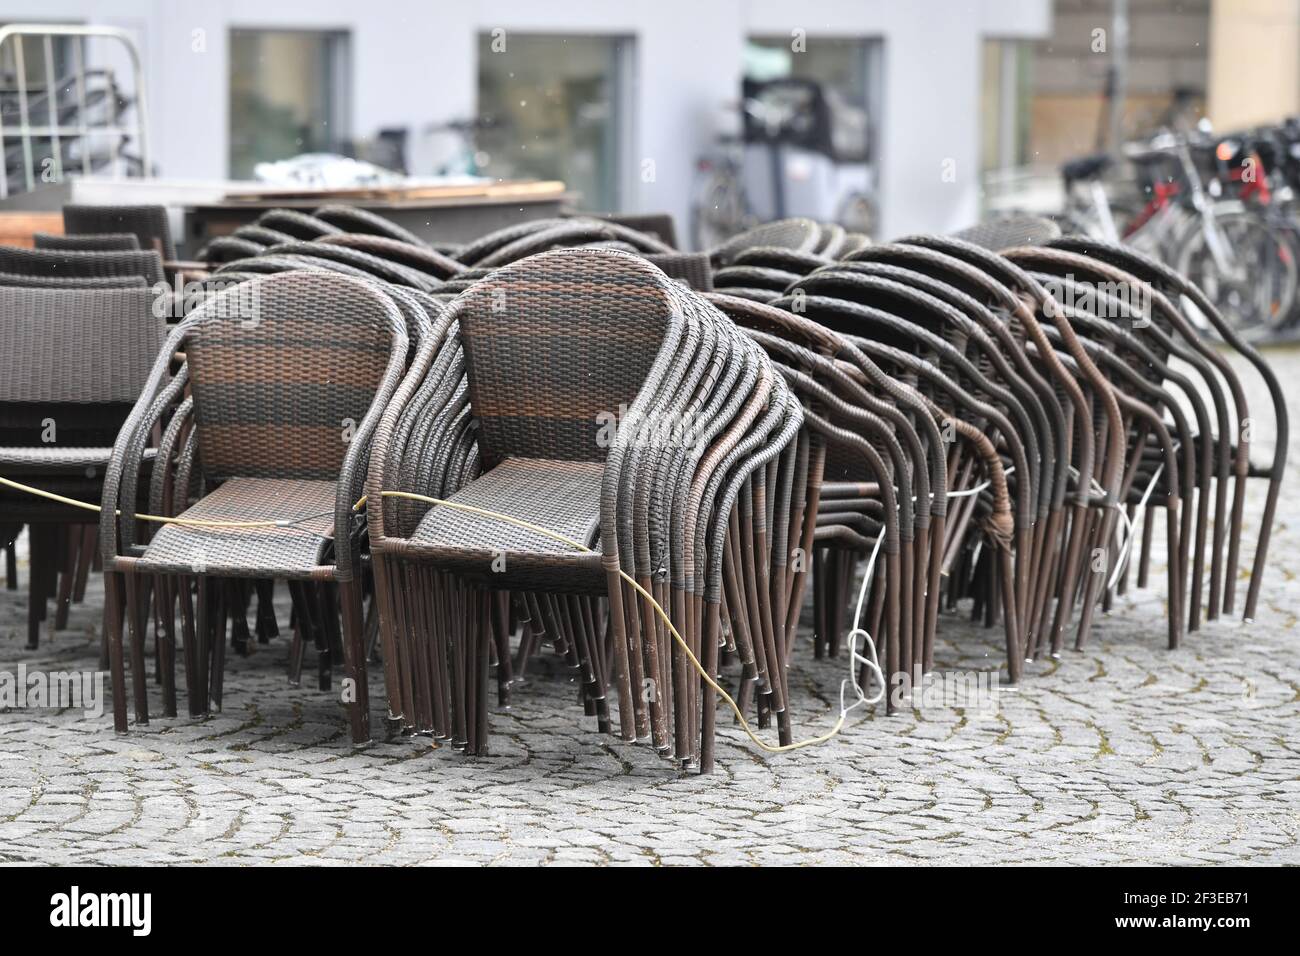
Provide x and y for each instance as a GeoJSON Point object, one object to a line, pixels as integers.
{"type": "Point", "coordinates": [77, 129]}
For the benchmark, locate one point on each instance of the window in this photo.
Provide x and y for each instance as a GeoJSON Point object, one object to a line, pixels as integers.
{"type": "Point", "coordinates": [556, 107]}
{"type": "Point", "coordinates": [288, 95]}
{"type": "Point", "coordinates": [1004, 104]}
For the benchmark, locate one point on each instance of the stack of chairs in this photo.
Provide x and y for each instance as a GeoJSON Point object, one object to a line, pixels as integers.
{"type": "Point", "coordinates": [987, 416]}
{"type": "Point", "coordinates": [77, 360]}
{"type": "Point", "coordinates": [92, 257]}
{"type": "Point", "coordinates": [612, 405]}
{"type": "Point", "coordinates": [265, 437]}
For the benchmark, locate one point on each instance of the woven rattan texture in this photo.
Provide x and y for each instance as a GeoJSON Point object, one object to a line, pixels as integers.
{"type": "Point", "coordinates": [546, 362]}
{"type": "Point", "coordinates": [1011, 231]}
{"type": "Point", "coordinates": [73, 282]}
{"type": "Point", "coordinates": [148, 224]}
{"type": "Point", "coordinates": [563, 496]}
{"type": "Point", "coordinates": [107, 242]}
{"type": "Point", "coordinates": [76, 346]}
{"type": "Point", "coordinates": [278, 390]}
{"type": "Point", "coordinates": [277, 552]}
{"type": "Point", "coordinates": [56, 458]}
{"type": "Point", "coordinates": [353, 220]}
{"type": "Point", "coordinates": [44, 262]}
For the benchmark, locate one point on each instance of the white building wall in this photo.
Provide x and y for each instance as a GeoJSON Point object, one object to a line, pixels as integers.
{"type": "Point", "coordinates": [413, 62]}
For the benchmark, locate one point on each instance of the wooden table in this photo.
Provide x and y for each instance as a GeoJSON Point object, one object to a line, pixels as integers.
{"type": "Point", "coordinates": [441, 214]}
{"type": "Point", "coordinates": [17, 228]}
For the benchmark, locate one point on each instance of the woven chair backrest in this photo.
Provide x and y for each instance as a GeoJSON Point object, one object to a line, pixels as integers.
{"type": "Point", "coordinates": [76, 361]}
{"type": "Point", "coordinates": [148, 224]}
{"type": "Point", "coordinates": [106, 242]}
{"type": "Point", "coordinates": [78, 263]}
{"type": "Point", "coordinates": [284, 368]}
{"type": "Point", "coordinates": [558, 342]}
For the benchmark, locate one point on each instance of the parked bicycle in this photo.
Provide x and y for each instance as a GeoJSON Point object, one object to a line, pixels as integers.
{"type": "Point", "coordinates": [801, 150]}
{"type": "Point", "coordinates": [1208, 206]}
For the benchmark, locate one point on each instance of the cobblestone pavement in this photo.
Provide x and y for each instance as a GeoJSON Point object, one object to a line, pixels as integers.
{"type": "Point", "coordinates": [1124, 753]}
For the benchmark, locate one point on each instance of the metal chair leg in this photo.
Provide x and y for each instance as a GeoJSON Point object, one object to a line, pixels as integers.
{"type": "Point", "coordinates": [354, 658]}
{"type": "Point", "coordinates": [117, 666]}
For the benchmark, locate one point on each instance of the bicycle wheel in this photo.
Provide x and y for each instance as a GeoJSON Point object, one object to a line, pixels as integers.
{"type": "Point", "coordinates": [1259, 299]}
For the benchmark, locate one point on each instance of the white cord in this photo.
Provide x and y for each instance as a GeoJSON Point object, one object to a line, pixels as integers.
{"type": "Point", "coordinates": [873, 662]}
{"type": "Point", "coordinates": [1126, 548]}
{"type": "Point", "coordinates": [869, 644]}
{"type": "Point", "coordinates": [972, 491]}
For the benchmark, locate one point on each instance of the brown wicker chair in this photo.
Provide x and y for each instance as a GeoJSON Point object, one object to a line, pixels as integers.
{"type": "Point", "coordinates": [72, 282]}
{"type": "Point", "coordinates": [79, 264]}
{"type": "Point", "coordinates": [421, 258]}
{"type": "Point", "coordinates": [472, 252]}
{"type": "Point", "coordinates": [843, 415]}
{"type": "Point", "coordinates": [801, 235]}
{"type": "Point", "coordinates": [107, 242]}
{"type": "Point", "coordinates": [350, 219]}
{"type": "Point", "coordinates": [1175, 287]}
{"type": "Point", "coordinates": [392, 272]}
{"type": "Point", "coordinates": [659, 224]}
{"type": "Point", "coordinates": [566, 477]}
{"type": "Point", "coordinates": [889, 341]}
{"type": "Point", "coordinates": [262, 235]}
{"type": "Point", "coordinates": [987, 301]}
{"type": "Point", "coordinates": [225, 249]}
{"type": "Point", "coordinates": [1102, 461]}
{"type": "Point", "coordinates": [1010, 231]}
{"type": "Point", "coordinates": [149, 224]}
{"type": "Point", "coordinates": [79, 358]}
{"type": "Point", "coordinates": [280, 370]}
{"type": "Point", "coordinates": [537, 436]}
{"type": "Point", "coordinates": [297, 224]}
{"type": "Point", "coordinates": [689, 268]}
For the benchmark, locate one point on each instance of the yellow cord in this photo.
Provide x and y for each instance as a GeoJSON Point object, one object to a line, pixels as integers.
{"type": "Point", "coordinates": [509, 519]}
{"type": "Point", "coordinates": [157, 519]}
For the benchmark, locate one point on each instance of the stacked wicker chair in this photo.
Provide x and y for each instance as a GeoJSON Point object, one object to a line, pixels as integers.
{"type": "Point", "coordinates": [149, 224]}
{"type": "Point", "coordinates": [355, 240]}
{"type": "Point", "coordinates": [77, 360]}
{"type": "Point", "coordinates": [1212, 445]}
{"type": "Point", "coordinates": [71, 263]}
{"type": "Point", "coordinates": [105, 242]}
{"type": "Point", "coordinates": [273, 433]}
{"type": "Point", "coordinates": [889, 428]}
{"type": "Point", "coordinates": [1175, 299]}
{"type": "Point", "coordinates": [927, 351]}
{"type": "Point", "coordinates": [82, 264]}
{"type": "Point", "coordinates": [690, 493]}
{"type": "Point", "coordinates": [886, 505]}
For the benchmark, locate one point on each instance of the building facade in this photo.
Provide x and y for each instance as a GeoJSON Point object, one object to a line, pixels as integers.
{"type": "Point", "coordinates": [634, 90]}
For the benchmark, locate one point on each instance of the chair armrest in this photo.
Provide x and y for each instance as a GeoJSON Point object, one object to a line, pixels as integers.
{"type": "Point", "coordinates": [356, 460]}
{"type": "Point", "coordinates": [385, 453]}
{"type": "Point", "coordinates": [159, 480]}
{"type": "Point", "coordinates": [156, 395]}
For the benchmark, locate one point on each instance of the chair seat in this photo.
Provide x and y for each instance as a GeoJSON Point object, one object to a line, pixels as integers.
{"type": "Point", "coordinates": [290, 552]}
{"type": "Point", "coordinates": [561, 496]}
